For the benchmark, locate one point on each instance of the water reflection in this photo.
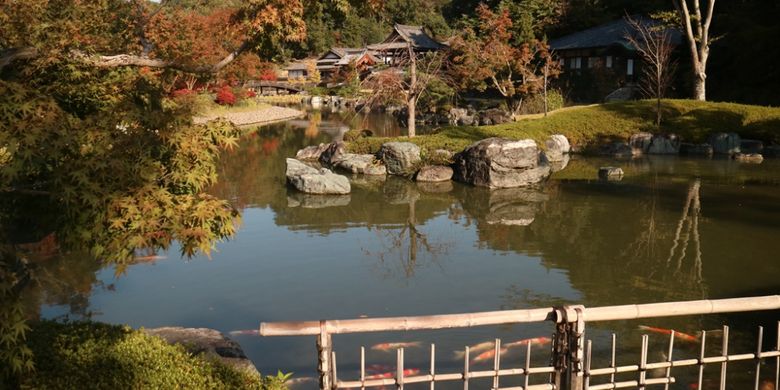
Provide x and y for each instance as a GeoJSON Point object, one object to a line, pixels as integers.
{"type": "Point", "coordinates": [672, 229]}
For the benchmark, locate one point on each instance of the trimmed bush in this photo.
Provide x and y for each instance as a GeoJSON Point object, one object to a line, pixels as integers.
{"type": "Point", "coordinates": [225, 97]}
{"type": "Point", "coordinates": [90, 355]}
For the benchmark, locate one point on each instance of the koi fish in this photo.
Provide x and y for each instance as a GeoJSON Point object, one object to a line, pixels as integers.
{"type": "Point", "coordinates": [245, 332]}
{"type": "Point", "coordinates": [388, 375]}
{"type": "Point", "coordinates": [487, 355]}
{"type": "Point", "coordinates": [478, 348]}
{"type": "Point", "coordinates": [390, 346]}
{"type": "Point", "coordinates": [533, 341]}
{"type": "Point", "coordinates": [679, 335]}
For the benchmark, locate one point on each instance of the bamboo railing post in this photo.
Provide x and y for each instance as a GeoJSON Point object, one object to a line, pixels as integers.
{"type": "Point", "coordinates": [612, 362]}
{"type": "Point", "coordinates": [725, 353]}
{"type": "Point", "coordinates": [701, 357]}
{"type": "Point", "coordinates": [758, 354]}
{"type": "Point", "coordinates": [643, 363]}
{"type": "Point", "coordinates": [466, 370]}
{"type": "Point", "coordinates": [669, 359]}
{"type": "Point", "coordinates": [362, 368]}
{"type": "Point", "coordinates": [324, 349]}
{"type": "Point", "coordinates": [496, 362]}
{"type": "Point", "coordinates": [433, 366]}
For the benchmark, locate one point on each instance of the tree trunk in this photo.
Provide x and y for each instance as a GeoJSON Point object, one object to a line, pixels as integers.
{"type": "Point", "coordinates": [411, 103]}
{"type": "Point", "coordinates": [699, 88]}
{"type": "Point", "coordinates": [411, 106]}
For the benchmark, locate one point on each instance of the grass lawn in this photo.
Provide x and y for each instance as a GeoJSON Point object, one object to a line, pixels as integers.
{"type": "Point", "coordinates": [590, 126]}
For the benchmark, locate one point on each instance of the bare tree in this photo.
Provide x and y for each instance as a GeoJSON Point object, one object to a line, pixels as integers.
{"type": "Point", "coordinates": [697, 31]}
{"type": "Point", "coordinates": [654, 44]}
{"type": "Point", "coordinates": [405, 82]}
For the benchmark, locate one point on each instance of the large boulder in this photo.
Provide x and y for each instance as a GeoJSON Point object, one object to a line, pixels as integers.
{"type": "Point", "coordinates": [621, 150]}
{"type": "Point", "coordinates": [557, 146]}
{"type": "Point", "coordinates": [501, 163]}
{"type": "Point", "coordinates": [610, 173]}
{"type": "Point", "coordinates": [751, 146]}
{"type": "Point", "coordinates": [494, 116]}
{"type": "Point", "coordinates": [365, 164]}
{"type": "Point", "coordinates": [725, 143]}
{"type": "Point", "coordinates": [311, 153]}
{"type": "Point", "coordinates": [640, 142]}
{"type": "Point", "coordinates": [208, 342]}
{"type": "Point", "coordinates": [333, 153]}
{"type": "Point", "coordinates": [434, 173]}
{"type": "Point", "coordinates": [696, 149]}
{"type": "Point", "coordinates": [400, 158]}
{"type": "Point", "coordinates": [664, 144]}
{"type": "Point", "coordinates": [315, 181]}
{"type": "Point", "coordinates": [461, 117]}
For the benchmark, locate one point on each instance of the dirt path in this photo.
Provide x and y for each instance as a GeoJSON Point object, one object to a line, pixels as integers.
{"type": "Point", "coordinates": [259, 117]}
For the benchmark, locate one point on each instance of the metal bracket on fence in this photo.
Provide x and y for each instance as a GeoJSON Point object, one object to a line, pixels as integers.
{"type": "Point", "coordinates": [568, 347]}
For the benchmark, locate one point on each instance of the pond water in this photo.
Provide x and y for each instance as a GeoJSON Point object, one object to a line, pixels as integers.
{"type": "Point", "coordinates": [672, 229]}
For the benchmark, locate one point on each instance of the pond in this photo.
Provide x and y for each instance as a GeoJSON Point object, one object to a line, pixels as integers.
{"type": "Point", "coordinates": [672, 229]}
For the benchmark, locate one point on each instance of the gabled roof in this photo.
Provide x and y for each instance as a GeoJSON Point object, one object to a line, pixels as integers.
{"type": "Point", "coordinates": [609, 34]}
{"type": "Point", "coordinates": [344, 51]}
{"type": "Point", "coordinates": [415, 35]}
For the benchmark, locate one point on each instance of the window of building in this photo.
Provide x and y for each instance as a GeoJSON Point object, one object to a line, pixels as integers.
{"type": "Point", "coordinates": [609, 61]}
{"type": "Point", "coordinates": [630, 67]}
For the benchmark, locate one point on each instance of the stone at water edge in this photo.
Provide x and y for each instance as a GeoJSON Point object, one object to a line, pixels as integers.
{"type": "Point", "coordinates": [664, 144]}
{"type": "Point", "coordinates": [696, 149]}
{"type": "Point", "coordinates": [333, 153]}
{"type": "Point", "coordinates": [557, 146]}
{"type": "Point", "coordinates": [400, 158]}
{"type": "Point", "coordinates": [206, 341]}
{"type": "Point", "coordinates": [365, 164]}
{"type": "Point", "coordinates": [621, 150]}
{"type": "Point", "coordinates": [640, 142]}
{"type": "Point", "coordinates": [315, 181]}
{"type": "Point", "coordinates": [752, 158]}
{"type": "Point", "coordinates": [501, 163]}
{"type": "Point", "coordinates": [311, 153]}
{"type": "Point", "coordinates": [434, 173]}
{"type": "Point", "coordinates": [610, 173]}
{"type": "Point", "coordinates": [725, 143]}
{"type": "Point", "coordinates": [751, 146]}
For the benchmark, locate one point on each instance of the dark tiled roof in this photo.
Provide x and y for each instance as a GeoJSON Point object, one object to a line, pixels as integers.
{"type": "Point", "coordinates": [609, 34]}
{"type": "Point", "coordinates": [416, 35]}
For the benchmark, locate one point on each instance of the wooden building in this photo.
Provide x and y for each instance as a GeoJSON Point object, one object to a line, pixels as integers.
{"type": "Point", "coordinates": [397, 43]}
{"type": "Point", "coordinates": [599, 63]}
{"type": "Point", "coordinates": [337, 57]}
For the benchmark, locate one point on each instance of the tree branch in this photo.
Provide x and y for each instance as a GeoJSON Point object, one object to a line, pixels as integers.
{"type": "Point", "coordinates": [20, 53]}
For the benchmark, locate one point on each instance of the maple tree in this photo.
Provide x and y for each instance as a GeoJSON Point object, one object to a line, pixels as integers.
{"type": "Point", "coordinates": [484, 56]}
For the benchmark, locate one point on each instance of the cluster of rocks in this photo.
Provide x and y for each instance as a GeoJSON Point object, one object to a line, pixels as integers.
{"type": "Point", "coordinates": [455, 116]}
{"type": "Point", "coordinates": [492, 163]}
{"type": "Point", "coordinates": [332, 101]}
{"type": "Point", "coordinates": [724, 144]}
{"type": "Point", "coordinates": [208, 342]}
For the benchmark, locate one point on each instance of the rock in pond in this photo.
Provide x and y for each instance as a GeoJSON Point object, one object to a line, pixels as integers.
{"type": "Point", "coordinates": [309, 201]}
{"type": "Point", "coordinates": [752, 158]}
{"type": "Point", "coordinates": [557, 146]}
{"type": "Point", "coordinates": [501, 163]}
{"type": "Point", "coordinates": [434, 173]}
{"type": "Point", "coordinates": [751, 146]}
{"type": "Point", "coordinates": [365, 164]}
{"type": "Point", "coordinates": [315, 181]}
{"type": "Point", "coordinates": [664, 144]}
{"type": "Point", "coordinates": [333, 153]}
{"type": "Point", "coordinates": [621, 150]}
{"type": "Point", "coordinates": [725, 143]}
{"type": "Point", "coordinates": [206, 341]}
{"type": "Point", "coordinates": [400, 158]}
{"type": "Point", "coordinates": [311, 153]}
{"type": "Point", "coordinates": [610, 173]}
{"type": "Point", "coordinates": [696, 149]}
{"type": "Point", "coordinates": [640, 142]}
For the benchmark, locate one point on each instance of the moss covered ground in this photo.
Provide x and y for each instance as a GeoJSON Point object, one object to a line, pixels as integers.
{"type": "Point", "coordinates": [589, 126]}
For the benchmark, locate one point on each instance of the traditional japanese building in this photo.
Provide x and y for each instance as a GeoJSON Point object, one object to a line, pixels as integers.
{"type": "Point", "coordinates": [401, 39]}
{"type": "Point", "coordinates": [600, 63]}
{"type": "Point", "coordinates": [337, 57]}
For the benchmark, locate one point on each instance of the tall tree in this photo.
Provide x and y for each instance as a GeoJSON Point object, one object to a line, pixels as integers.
{"type": "Point", "coordinates": [486, 56]}
{"type": "Point", "coordinates": [697, 32]}
{"type": "Point", "coordinates": [654, 45]}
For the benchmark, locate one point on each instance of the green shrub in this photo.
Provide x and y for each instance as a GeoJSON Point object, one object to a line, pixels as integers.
{"type": "Point", "coordinates": [535, 103]}
{"type": "Point", "coordinates": [90, 355]}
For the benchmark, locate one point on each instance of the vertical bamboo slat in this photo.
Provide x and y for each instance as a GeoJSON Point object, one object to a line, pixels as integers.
{"type": "Point", "coordinates": [496, 362]}
{"type": "Point", "coordinates": [758, 355]}
{"type": "Point", "coordinates": [588, 356]}
{"type": "Point", "coordinates": [777, 359]}
{"type": "Point", "coordinates": [669, 359]}
{"type": "Point", "coordinates": [466, 370]}
{"type": "Point", "coordinates": [701, 357]}
{"type": "Point", "coordinates": [433, 366]}
{"type": "Point", "coordinates": [613, 363]}
{"type": "Point", "coordinates": [725, 352]}
{"type": "Point", "coordinates": [335, 381]}
{"type": "Point", "coordinates": [362, 368]}
{"type": "Point", "coordinates": [643, 363]}
{"type": "Point", "coordinates": [399, 379]}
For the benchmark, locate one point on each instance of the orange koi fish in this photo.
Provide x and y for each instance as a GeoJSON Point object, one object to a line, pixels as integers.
{"type": "Point", "coordinates": [487, 355]}
{"type": "Point", "coordinates": [391, 346]}
{"type": "Point", "coordinates": [533, 341]}
{"type": "Point", "coordinates": [680, 335]}
{"type": "Point", "coordinates": [388, 375]}
{"type": "Point", "coordinates": [149, 258]}
{"type": "Point", "coordinates": [477, 348]}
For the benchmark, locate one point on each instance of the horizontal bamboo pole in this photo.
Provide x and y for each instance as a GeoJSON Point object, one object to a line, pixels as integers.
{"type": "Point", "coordinates": [606, 313]}
{"type": "Point", "coordinates": [444, 377]}
{"type": "Point", "coordinates": [684, 363]}
{"type": "Point", "coordinates": [622, 385]}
